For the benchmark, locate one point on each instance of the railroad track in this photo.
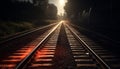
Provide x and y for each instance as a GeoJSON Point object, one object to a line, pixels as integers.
{"type": "Point", "coordinates": [105, 58]}
{"type": "Point", "coordinates": [61, 47]}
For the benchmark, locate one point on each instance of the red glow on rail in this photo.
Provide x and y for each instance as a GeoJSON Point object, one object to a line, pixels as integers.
{"type": "Point", "coordinates": [13, 60]}
{"type": "Point", "coordinates": [26, 52]}
{"type": "Point", "coordinates": [41, 53]}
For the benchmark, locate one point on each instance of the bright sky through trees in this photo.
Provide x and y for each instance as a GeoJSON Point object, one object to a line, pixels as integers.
{"type": "Point", "coordinates": [60, 5]}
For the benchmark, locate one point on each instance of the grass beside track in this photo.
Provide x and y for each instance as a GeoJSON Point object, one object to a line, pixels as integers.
{"type": "Point", "coordinates": [8, 28]}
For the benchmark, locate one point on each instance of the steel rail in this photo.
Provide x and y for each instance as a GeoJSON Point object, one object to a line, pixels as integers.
{"type": "Point", "coordinates": [26, 59]}
{"type": "Point", "coordinates": [87, 46]}
{"type": "Point", "coordinates": [25, 33]}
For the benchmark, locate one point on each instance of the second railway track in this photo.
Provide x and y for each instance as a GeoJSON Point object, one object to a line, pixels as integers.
{"type": "Point", "coordinates": [61, 47]}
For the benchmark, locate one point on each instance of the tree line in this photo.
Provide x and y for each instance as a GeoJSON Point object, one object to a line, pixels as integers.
{"type": "Point", "coordinates": [26, 10]}
{"type": "Point", "coordinates": [89, 12]}
{"type": "Point", "coordinates": [99, 15]}
{"type": "Point", "coordinates": [94, 14]}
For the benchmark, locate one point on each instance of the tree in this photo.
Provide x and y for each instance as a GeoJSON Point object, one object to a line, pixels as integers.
{"type": "Point", "coordinates": [74, 8]}
{"type": "Point", "coordinates": [23, 10]}
{"type": "Point", "coordinates": [51, 11]}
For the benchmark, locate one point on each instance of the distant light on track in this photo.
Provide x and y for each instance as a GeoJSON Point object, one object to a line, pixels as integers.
{"type": "Point", "coordinates": [62, 21]}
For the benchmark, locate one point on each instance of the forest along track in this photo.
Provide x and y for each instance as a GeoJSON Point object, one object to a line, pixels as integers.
{"type": "Point", "coordinates": [13, 53]}
{"type": "Point", "coordinates": [61, 47]}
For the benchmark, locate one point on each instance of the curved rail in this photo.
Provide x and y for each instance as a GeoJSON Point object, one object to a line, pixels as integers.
{"type": "Point", "coordinates": [106, 66]}
{"type": "Point", "coordinates": [27, 58]}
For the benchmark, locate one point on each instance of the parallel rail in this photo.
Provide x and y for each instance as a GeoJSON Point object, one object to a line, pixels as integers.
{"type": "Point", "coordinates": [104, 65]}
{"type": "Point", "coordinates": [70, 51]}
{"type": "Point", "coordinates": [27, 58]}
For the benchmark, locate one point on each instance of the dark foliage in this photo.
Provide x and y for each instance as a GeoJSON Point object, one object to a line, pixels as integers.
{"type": "Point", "coordinates": [51, 11]}
{"type": "Point", "coordinates": [99, 15]}
{"type": "Point", "coordinates": [21, 10]}
{"type": "Point", "coordinates": [20, 15]}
